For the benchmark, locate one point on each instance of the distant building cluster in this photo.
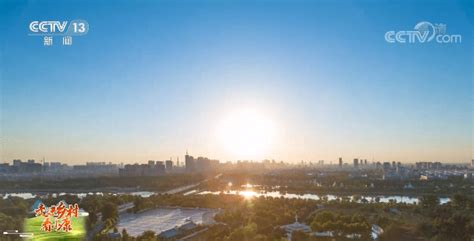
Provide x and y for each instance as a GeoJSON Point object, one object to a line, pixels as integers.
{"type": "Point", "coordinates": [31, 169]}
{"type": "Point", "coordinates": [428, 165]}
{"type": "Point", "coordinates": [96, 168]}
{"type": "Point", "coordinates": [389, 170]}
{"type": "Point", "coordinates": [21, 167]}
{"type": "Point", "coordinates": [356, 163]}
{"type": "Point", "coordinates": [200, 164]}
{"type": "Point", "coordinates": [422, 171]}
{"type": "Point", "coordinates": [157, 168]}
{"type": "Point", "coordinates": [438, 171]}
{"type": "Point", "coordinates": [153, 168]}
{"type": "Point", "coordinates": [396, 171]}
{"type": "Point", "coordinates": [31, 166]}
{"type": "Point", "coordinates": [393, 170]}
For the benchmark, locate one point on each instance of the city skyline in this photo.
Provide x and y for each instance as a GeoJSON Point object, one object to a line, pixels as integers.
{"type": "Point", "coordinates": [237, 80]}
{"type": "Point", "coordinates": [180, 161]}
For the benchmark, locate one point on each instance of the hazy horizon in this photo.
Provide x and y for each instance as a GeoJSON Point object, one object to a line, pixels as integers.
{"type": "Point", "coordinates": [334, 162]}
{"type": "Point", "coordinates": [284, 80]}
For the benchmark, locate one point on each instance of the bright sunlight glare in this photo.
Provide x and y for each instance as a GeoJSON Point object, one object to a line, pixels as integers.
{"type": "Point", "coordinates": [246, 134]}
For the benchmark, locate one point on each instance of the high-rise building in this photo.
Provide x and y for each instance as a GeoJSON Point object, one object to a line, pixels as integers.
{"type": "Point", "coordinates": [340, 161]}
{"type": "Point", "coordinates": [169, 165]}
{"type": "Point", "coordinates": [356, 162]}
{"type": "Point", "coordinates": [17, 162]}
{"type": "Point", "coordinates": [158, 169]}
{"type": "Point", "coordinates": [189, 162]}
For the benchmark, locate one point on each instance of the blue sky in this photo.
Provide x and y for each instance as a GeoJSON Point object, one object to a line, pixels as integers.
{"type": "Point", "coordinates": [152, 78]}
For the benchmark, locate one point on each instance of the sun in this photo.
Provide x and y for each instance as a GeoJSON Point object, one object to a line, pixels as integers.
{"type": "Point", "coordinates": [246, 134]}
